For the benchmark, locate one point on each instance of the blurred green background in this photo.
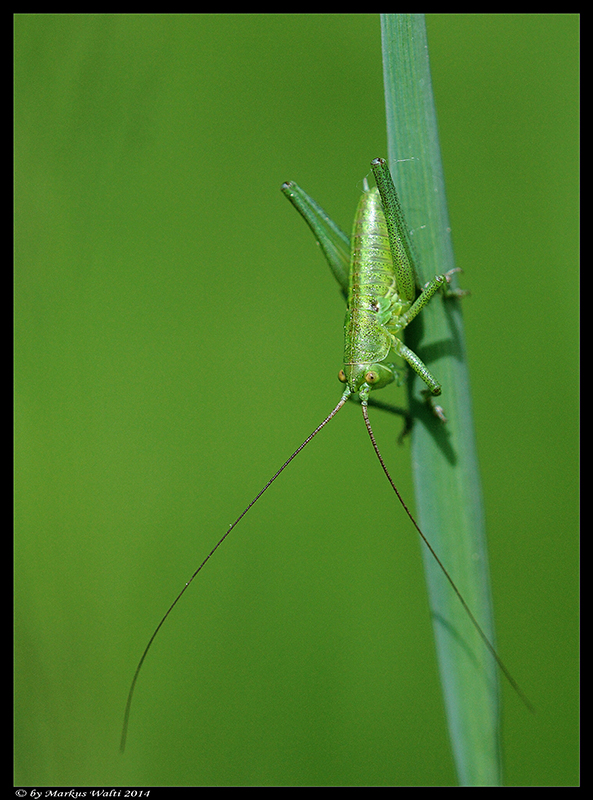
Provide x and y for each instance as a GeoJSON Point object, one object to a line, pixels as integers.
{"type": "Point", "coordinates": [178, 335]}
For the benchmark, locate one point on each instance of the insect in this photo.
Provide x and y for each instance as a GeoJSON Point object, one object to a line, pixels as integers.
{"type": "Point", "coordinates": [375, 271]}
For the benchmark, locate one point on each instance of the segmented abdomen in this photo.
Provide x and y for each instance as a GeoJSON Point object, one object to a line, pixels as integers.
{"type": "Point", "coordinates": [371, 265]}
{"type": "Point", "coordinates": [371, 276]}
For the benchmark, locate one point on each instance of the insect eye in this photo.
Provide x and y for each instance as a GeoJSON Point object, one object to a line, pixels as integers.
{"type": "Point", "coordinates": [374, 306]}
{"type": "Point", "coordinates": [371, 377]}
{"type": "Point", "coordinates": [342, 376]}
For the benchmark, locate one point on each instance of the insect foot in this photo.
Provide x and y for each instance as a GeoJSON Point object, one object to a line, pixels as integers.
{"type": "Point", "coordinates": [447, 292]}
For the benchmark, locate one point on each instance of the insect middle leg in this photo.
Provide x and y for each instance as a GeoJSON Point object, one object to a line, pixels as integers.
{"type": "Point", "coordinates": [429, 291]}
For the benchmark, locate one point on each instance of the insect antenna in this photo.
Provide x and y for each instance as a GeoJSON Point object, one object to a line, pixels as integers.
{"type": "Point", "coordinates": [331, 415]}
{"type": "Point", "coordinates": [468, 611]}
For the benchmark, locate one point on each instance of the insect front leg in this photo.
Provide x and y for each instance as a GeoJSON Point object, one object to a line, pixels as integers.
{"type": "Point", "coordinates": [417, 365]}
{"type": "Point", "coordinates": [420, 368]}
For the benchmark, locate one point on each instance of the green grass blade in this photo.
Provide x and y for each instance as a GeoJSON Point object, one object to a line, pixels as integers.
{"type": "Point", "coordinates": [448, 491]}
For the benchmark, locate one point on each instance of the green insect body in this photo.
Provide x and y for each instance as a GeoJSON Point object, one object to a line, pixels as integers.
{"type": "Point", "coordinates": [376, 276]}
{"type": "Point", "coordinates": [381, 292]}
{"type": "Point", "coordinates": [374, 305]}
{"type": "Point", "coordinates": [376, 273]}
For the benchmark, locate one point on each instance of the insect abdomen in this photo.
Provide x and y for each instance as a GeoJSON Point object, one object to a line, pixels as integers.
{"type": "Point", "coordinates": [371, 264]}
{"type": "Point", "coordinates": [366, 341]}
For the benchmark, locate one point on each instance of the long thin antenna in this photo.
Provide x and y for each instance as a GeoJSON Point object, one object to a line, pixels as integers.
{"type": "Point", "coordinates": [475, 622]}
{"type": "Point", "coordinates": [124, 733]}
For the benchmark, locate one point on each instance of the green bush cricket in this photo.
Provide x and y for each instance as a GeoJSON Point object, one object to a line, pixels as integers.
{"type": "Point", "coordinates": [375, 271]}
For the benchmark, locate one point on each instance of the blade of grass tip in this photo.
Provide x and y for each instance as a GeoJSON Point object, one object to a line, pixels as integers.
{"type": "Point", "coordinates": [447, 483]}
